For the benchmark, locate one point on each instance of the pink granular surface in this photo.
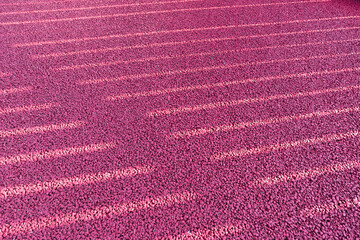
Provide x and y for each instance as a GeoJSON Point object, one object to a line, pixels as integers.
{"type": "Point", "coordinates": [179, 119]}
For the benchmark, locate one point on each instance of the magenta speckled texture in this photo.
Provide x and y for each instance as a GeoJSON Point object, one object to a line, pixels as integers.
{"type": "Point", "coordinates": [179, 119]}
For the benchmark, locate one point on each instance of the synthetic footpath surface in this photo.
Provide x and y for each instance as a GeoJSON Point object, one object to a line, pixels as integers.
{"type": "Point", "coordinates": [179, 119]}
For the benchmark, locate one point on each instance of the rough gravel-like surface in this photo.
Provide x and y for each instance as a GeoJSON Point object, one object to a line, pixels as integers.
{"type": "Point", "coordinates": [179, 119]}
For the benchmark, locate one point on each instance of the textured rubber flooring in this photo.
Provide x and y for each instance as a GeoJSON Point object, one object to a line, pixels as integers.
{"type": "Point", "coordinates": [179, 119]}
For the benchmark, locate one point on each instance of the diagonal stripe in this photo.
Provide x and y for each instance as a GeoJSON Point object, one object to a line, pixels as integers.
{"type": "Point", "coordinates": [73, 181]}
{"type": "Point", "coordinates": [36, 156]}
{"type": "Point", "coordinates": [331, 207]}
{"type": "Point", "coordinates": [60, 41]}
{"type": "Point", "coordinates": [95, 7]}
{"type": "Point", "coordinates": [92, 214]}
{"type": "Point", "coordinates": [249, 100]}
{"type": "Point", "coordinates": [15, 90]}
{"type": "Point", "coordinates": [207, 40]}
{"type": "Point", "coordinates": [41, 129]}
{"type": "Point", "coordinates": [107, 63]}
{"type": "Point", "coordinates": [27, 108]}
{"type": "Point", "coordinates": [155, 12]}
{"type": "Point", "coordinates": [224, 84]}
{"type": "Point", "coordinates": [311, 173]}
{"type": "Point", "coordinates": [38, 2]}
{"type": "Point", "coordinates": [212, 68]}
{"type": "Point", "coordinates": [283, 146]}
{"type": "Point", "coordinates": [262, 122]}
